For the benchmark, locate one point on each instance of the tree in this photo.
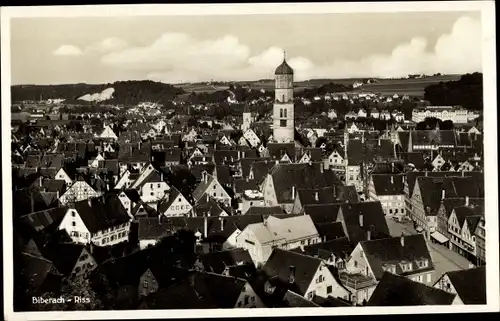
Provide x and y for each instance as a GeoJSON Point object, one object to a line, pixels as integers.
{"type": "Point", "coordinates": [446, 125]}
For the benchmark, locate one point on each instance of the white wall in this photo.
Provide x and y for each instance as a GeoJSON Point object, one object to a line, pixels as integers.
{"type": "Point", "coordinates": [321, 288]}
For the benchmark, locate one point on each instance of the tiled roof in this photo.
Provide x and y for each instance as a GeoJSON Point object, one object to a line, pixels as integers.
{"type": "Point", "coordinates": [394, 290]}
{"type": "Point", "coordinates": [470, 284]}
{"type": "Point", "coordinates": [388, 184]}
{"type": "Point", "coordinates": [218, 261]}
{"type": "Point", "coordinates": [100, 215]}
{"type": "Point", "coordinates": [301, 176]}
{"type": "Point", "coordinates": [394, 251]}
{"type": "Point", "coordinates": [63, 255]}
{"type": "Point", "coordinates": [279, 264]}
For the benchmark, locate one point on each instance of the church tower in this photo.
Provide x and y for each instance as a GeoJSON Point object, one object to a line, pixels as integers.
{"type": "Point", "coordinates": [283, 110]}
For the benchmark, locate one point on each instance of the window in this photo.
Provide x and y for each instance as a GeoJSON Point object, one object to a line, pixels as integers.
{"type": "Point", "coordinates": [215, 194]}
{"type": "Point", "coordinates": [329, 289]}
{"type": "Point", "coordinates": [402, 211]}
{"type": "Point", "coordinates": [73, 214]}
{"type": "Point", "coordinates": [239, 304]}
{"type": "Point", "coordinates": [159, 185]}
{"type": "Point", "coordinates": [390, 211]}
{"type": "Point", "coordinates": [78, 269]}
{"type": "Point", "coordinates": [145, 284]}
{"type": "Point", "coordinates": [355, 263]}
{"type": "Point", "coordinates": [396, 211]}
{"type": "Point", "coordinates": [103, 241]}
{"type": "Point", "coordinates": [73, 223]}
{"type": "Point", "coordinates": [246, 299]}
{"type": "Point", "coordinates": [152, 193]}
{"type": "Point", "coordinates": [214, 187]}
{"type": "Point", "coordinates": [281, 112]}
{"type": "Point", "coordinates": [253, 299]}
{"type": "Point", "coordinates": [283, 123]}
{"type": "Point", "coordinates": [285, 112]}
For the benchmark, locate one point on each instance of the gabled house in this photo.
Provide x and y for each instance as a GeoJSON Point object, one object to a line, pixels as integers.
{"type": "Point", "coordinates": [388, 189]}
{"type": "Point", "coordinates": [209, 185]}
{"type": "Point", "coordinates": [107, 133]}
{"type": "Point", "coordinates": [80, 190]}
{"type": "Point", "coordinates": [304, 275]}
{"type": "Point", "coordinates": [95, 221]}
{"type": "Point", "coordinates": [405, 255]}
{"type": "Point", "coordinates": [175, 205]}
{"type": "Point", "coordinates": [468, 285]}
{"type": "Point", "coordinates": [462, 225]}
{"type": "Point", "coordinates": [288, 233]}
{"type": "Point", "coordinates": [71, 260]}
{"type": "Point", "coordinates": [395, 290]}
{"type": "Point", "coordinates": [283, 181]}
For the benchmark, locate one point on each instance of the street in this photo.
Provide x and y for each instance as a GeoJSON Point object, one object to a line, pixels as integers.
{"type": "Point", "coordinates": [444, 259]}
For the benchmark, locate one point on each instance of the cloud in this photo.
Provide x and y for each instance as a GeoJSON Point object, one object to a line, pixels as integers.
{"type": "Point", "coordinates": [178, 57]}
{"type": "Point", "coordinates": [107, 45]}
{"type": "Point", "coordinates": [68, 50]}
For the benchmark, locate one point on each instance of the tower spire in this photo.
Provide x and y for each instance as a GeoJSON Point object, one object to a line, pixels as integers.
{"type": "Point", "coordinates": [284, 55]}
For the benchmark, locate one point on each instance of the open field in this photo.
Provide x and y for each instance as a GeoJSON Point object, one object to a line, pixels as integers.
{"type": "Point", "coordinates": [413, 87]}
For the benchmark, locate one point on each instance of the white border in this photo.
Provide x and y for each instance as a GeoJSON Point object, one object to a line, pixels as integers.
{"type": "Point", "coordinates": [491, 185]}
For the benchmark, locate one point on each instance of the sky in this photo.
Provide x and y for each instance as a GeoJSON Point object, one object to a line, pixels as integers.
{"type": "Point", "coordinates": [175, 49]}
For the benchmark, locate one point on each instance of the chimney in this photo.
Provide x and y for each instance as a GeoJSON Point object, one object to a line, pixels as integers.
{"type": "Point", "coordinates": [291, 274]}
{"type": "Point", "coordinates": [379, 141]}
{"type": "Point", "coordinates": [161, 176]}
{"type": "Point", "coordinates": [205, 227]}
{"type": "Point", "coordinates": [316, 196]}
{"type": "Point", "coordinates": [221, 223]}
{"type": "Point", "coordinates": [40, 179]}
{"type": "Point", "coordinates": [321, 167]}
{"type": "Point", "coordinates": [392, 167]}
{"type": "Point", "coordinates": [361, 220]}
{"type": "Point", "coordinates": [466, 200]}
{"type": "Point", "coordinates": [402, 240]}
{"type": "Point", "coordinates": [205, 175]}
{"type": "Point", "coordinates": [293, 192]}
{"type": "Point", "coordinates": [443, 194]}
{"type": "Point", "coordinates": [89, 201]}
{"type": "Point", "coordinates": [463, 173]}
{"type": "Point", "coordinates": [130, 150]}
{"type": "Point", "coordinates": [277, 162]}
{"type": "Point", "coordinates": [392, 179]}
{"type": "Point", "coordinates": [310, 163]}
{"type": "Point", "coordinates": [368, 235]}
{"type": "Point", "coordinates": [425, 173]}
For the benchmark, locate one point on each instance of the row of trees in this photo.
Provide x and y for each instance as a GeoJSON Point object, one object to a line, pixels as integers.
{"type": "Point", "coordinates": [431, 123]}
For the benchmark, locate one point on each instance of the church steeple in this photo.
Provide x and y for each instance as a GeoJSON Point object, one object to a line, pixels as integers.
{"type": "Point", "coordinates": [283, 114]}
{"type": "Point", "coordinates": [284, 68]}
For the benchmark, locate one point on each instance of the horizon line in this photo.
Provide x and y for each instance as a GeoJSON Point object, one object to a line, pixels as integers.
{"type": "Point", "coordinates": [236, 81]}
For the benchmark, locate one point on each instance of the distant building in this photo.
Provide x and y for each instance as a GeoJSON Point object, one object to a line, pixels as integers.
{"type": "Point", "coordinates": [456, 114]}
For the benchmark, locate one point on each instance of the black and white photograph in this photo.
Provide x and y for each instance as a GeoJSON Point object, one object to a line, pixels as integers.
{"type": "Point", "coordinates": [162, 159]}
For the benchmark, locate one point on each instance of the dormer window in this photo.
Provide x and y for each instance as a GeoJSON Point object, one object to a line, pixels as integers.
{"type": "Point", "coordinates": [423, 263]}
{"type": "Point", "coordinates": [405, 267]}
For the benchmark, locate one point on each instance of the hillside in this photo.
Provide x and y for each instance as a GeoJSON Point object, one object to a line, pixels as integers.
{"type": "Point", "coordinates": [125, 92]}
{"type": "Point", "coordinates": [413, 87]}
{"type": "Point", "coordinates": [466, 91]}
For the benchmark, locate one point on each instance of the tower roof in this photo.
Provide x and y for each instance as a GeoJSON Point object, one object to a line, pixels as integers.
{"type": "Point", "coordinates": [284, 69]}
